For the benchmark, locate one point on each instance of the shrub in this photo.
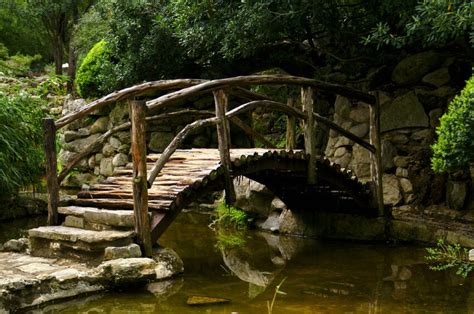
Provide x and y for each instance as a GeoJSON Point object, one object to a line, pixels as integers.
{"type": "Point", "coordinates": [21, 153]}
{"type": "Point", "coordinates": [230, 216]}
{"type": "Point", "coordinates": [454, 149]}
{"type": "Point", "coordinates": [92, 71]}
{"type": "Point", "coordinates": [3, 52]}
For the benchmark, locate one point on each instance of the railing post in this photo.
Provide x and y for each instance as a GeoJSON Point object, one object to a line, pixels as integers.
{"type": "Point", "coordinates": [376, 170]}
{"type": "Point", "coordinates": [52, 184]}
{"type": "Point", "coordinates": [291, 126]}
{"type": "Point", "coordinates": [223, 137]}
{"type": "Point", "coordinates": [140, 187]}
{"type": "Point", "coordinates": [309, 132]}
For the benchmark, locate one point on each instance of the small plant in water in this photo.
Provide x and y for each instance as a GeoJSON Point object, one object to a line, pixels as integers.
{"type": "Point", "coordinates": [277, 291]}
{"type": "Point", "coordinates": [229, 216]}
{"type": "Point", "coordinates": [446, 256]}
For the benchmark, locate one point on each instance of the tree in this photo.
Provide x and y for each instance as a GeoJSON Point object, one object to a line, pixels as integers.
{"type": "Point", "coordinates": [58, 19]}
{"type": "Point", "coordinates": [454, 148]}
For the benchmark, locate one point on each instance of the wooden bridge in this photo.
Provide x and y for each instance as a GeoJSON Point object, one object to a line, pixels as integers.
{"type": "Point", "coordinates": [158, 186]}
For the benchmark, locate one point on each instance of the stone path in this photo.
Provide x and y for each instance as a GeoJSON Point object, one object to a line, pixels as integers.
{"type": "Point", "coordinates": [27, 281]}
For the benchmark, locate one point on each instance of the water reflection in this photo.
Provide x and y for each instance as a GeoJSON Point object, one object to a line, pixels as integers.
{"type": "Point", "coordinates": [322, 277]}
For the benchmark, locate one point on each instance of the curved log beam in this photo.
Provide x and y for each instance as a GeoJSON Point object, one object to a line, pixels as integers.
{"type": "Point", "coordinates": [126, 93]}
{"type": "Point", "coordinates": [171, 148]}
{"type": "Point", "coordinates": [258, 80]}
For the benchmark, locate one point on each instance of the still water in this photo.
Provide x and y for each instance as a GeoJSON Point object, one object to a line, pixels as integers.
{"type": "Point", "coordinates": [321, 277]}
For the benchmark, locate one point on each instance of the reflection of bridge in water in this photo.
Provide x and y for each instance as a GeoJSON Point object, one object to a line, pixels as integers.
{"type": "Point", "coordinates": [158, 187]}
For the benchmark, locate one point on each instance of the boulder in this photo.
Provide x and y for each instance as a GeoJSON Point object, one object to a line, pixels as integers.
{"type": "Point", "coordinates": [81, 144]}
{"type": "Point", "coordinates": [130, 251]}
{"type": "Point", "coordinates": [406, 185]}
{"type": "Point", "coordinates": [16, 245]}
{"type": "Point", "coordinates": [108, 150]}
{"type": "Point", "coordinates": [292, 223]}
{"type": "Point", "coordinates": [100, 125]}
{"type": "Point", "coordinates": [114, 142]}
{"type": "Point", "coordinates": [404, 112]}
{"type": "Point", "coordinates": [360, 162]}
{"type": "Point", "coordinates": [401, 172]}
{"type": "Point", "coordinates": [159, 141]}
{"type": "Point", "coordinates": [76, 180]}
{"type": "Point", "coordinates": [411, 69]}
{"type": "Point", "coordinates": [391, 190]}
{"type": "Point", "coordinates": [435, 115]}
{"type": "Point", "coordinates": [401, 161]}
{"type": "Point", "coordinates": [168, 263]}
{"type": "Point", "coordinates": [70, 136]}
{"type": "Point", "coordinates": [360, 130]}
{"type": "Point", "coordinates": [253, 197]}
{"type": "Point", "coordinates": [341, 151]}
{"type": "Point", "coordinates": [388, 151]}
{"type": "Point", "coordinates": [120, 160]}
{"type": "Point", "coordinates": [437, 78]}
{"type": "Point", "coordinates": [72, 105]}
{"type": "Point", "coordinates": [272, 223]}
{"type": "Point", "coordinates": [118, 115]}
{"type": "Point", "coordinates": [106, 167]}
{"type": "Point", "coordinates": [125, 271]}
{"type": "Point", "coordinates": [360, 114]}
{"type": "Point", "coordinates": [342, 106]}
{"type": "Point", "coordinates": [456, 194]}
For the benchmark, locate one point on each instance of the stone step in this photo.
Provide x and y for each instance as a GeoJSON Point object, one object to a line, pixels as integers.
{"type": "Point", "coordinates": [97, 219]}
{"type": "Point", "coordinates": [59, 240]}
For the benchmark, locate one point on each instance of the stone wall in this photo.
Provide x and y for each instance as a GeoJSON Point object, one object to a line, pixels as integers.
{"type": "Point", "coordinates": [411, 105]}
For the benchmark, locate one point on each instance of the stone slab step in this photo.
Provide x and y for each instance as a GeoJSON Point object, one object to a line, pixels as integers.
{"type": "Point", "coordinates": [91, 215]}
{"type": "Point", "coordinates": [62, 241]}
{"type": "Point", "coordinates": [62, 233]}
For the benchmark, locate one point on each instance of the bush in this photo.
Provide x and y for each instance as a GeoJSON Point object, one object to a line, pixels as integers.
{"type": "Point", "coordinates": [92, 71]}
{"type": "Point", "coordinates": [21, 153]}
{"type": "Point", "coordinates": [3, 52]}
{"type": "Point", "coordinates": [454, 149]}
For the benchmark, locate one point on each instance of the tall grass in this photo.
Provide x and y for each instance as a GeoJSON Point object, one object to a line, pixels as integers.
{"type": "Point", "coordinates": [21, 154]}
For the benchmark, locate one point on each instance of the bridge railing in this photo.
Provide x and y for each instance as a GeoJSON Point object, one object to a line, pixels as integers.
{"type": "Point", "coordinates": [222, 117]}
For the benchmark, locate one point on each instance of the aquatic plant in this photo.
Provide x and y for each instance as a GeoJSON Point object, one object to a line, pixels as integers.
{"type": "Point", "coordinates": [229, 216]}
{"type": "Point", "coordinates": [277, 291]}
{"type": "Point", "coordinates": [446, 256]}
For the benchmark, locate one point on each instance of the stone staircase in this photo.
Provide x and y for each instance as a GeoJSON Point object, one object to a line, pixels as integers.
{"type": "Point", "coordinates": [87, 234]}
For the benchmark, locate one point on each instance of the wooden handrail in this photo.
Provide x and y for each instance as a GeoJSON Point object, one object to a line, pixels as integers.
{"type": "Point", "coordinates": [125, 93]}
{"type": "Point", "coordinates": [240, 81]}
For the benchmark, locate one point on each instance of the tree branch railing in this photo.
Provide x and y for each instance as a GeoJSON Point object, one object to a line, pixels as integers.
{"type": "Point", "coordinates": [185, 88]}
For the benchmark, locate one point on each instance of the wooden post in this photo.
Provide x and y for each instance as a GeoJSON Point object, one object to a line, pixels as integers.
{"type": "Point", "coordinates": [291, 127]}
{"type": "Point", "coordinates": [140, 187]}
{"type": "Point", "coordinates": [376, 170]}
{"type": "Point", "coordinates": [52, 184]}
{"type": "Point", "coordinates": [309, 132]}
{"type": "Point", "coordinates": [223, 138]}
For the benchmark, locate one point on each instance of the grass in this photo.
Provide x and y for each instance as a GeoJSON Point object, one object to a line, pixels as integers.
{"type": "Point", "coordinates": [229, 216]}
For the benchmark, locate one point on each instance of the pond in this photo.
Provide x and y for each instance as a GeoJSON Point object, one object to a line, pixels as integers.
{"type": "Point", "coordinates": [318, 277]}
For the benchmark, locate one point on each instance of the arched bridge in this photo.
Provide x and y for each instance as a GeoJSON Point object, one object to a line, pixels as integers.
{"type": "Point", "coordinates": [158, 186]}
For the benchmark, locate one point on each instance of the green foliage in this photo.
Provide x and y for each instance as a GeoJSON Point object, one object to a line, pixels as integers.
{"type": "Point", "coordinates": [3, 51]}
{"type": "Point", "coordinates": [230, 216]}
{"type": "Point", "coordinates": [21, 154]}
{"type": "Point", "coordinates": [19, 65]}
{"type": "Point", "coordinates": [446, 256]}
{"type": "Point", "coordinates": [54, 85]}
{"type": "Point", "coordinates": [92, 72]}
{"type": "Point", "coordinates": [433, 23]}
{"type": "Point", "coordinates": [454, 148]}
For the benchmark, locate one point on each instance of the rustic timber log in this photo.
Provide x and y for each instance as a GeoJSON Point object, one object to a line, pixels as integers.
{"type": "Point", "coordinates": [376, 170]}
{"type": "Point", "coordinates": [140, 188]}
{"type": "Point", "coordinates": [52, 184]}
{"type": "Point", "coordinates": [309, 134]}
{"type": "Point", "coordinates": [125, 93]}
{"type": "Point", "coordinates": [258, 79]}
{"type": "Point", "coordinates": [223, 138]}
{"type": "Point", "coordinates": [290, 127]}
